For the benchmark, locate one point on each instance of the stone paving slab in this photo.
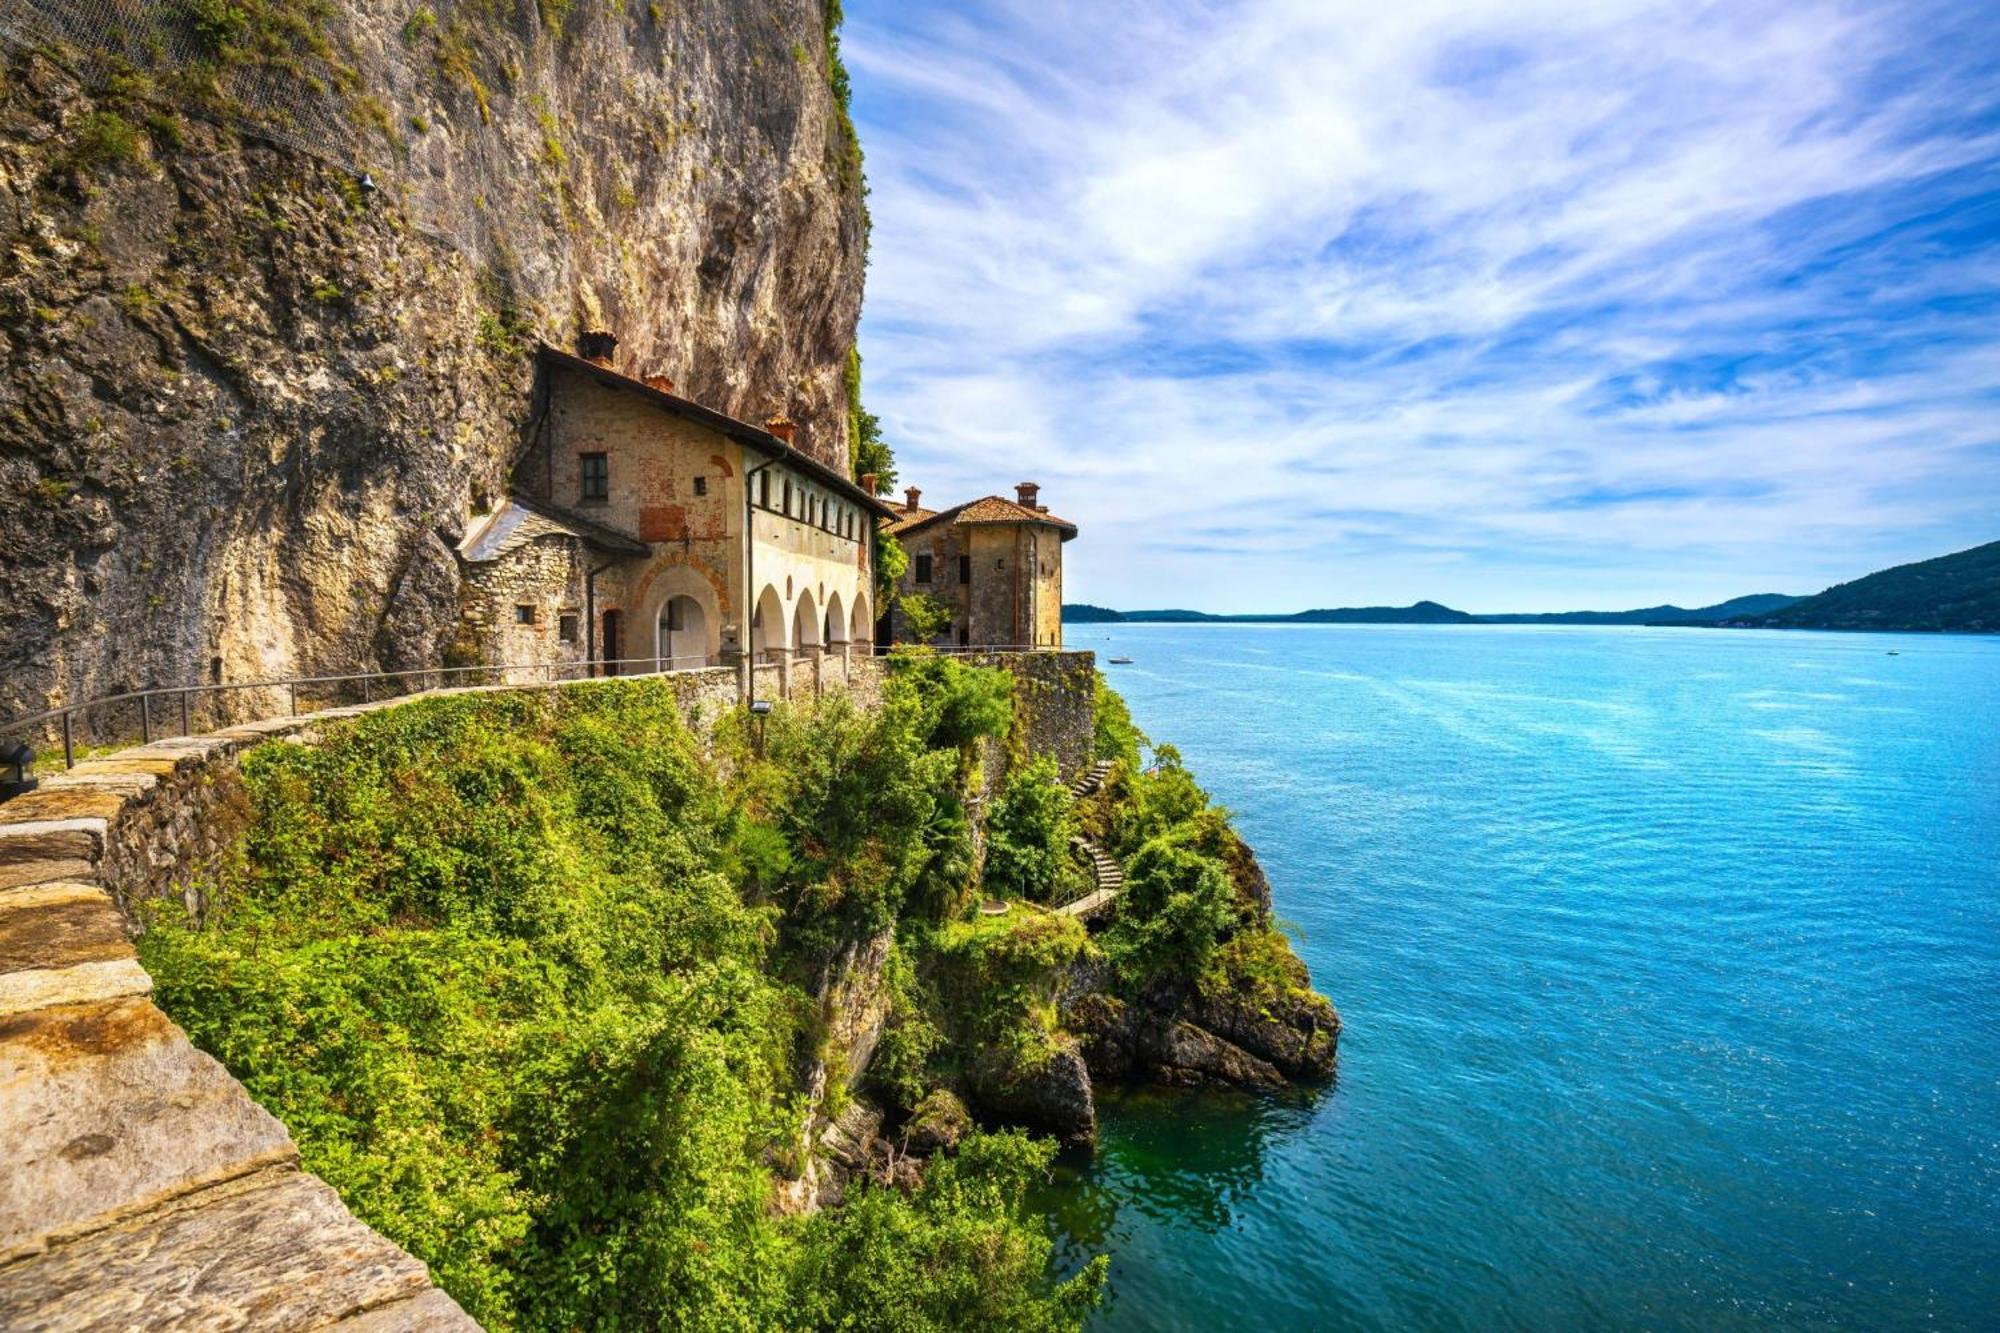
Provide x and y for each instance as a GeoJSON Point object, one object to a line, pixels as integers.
{"type": "Point", "coordinates": [45, 850]}
{"type": "Point", "coordinates": [64, 802]}
{"type": "Point", "coordinates": [110, 1110]}
{"type": "Point", "coordinates": [80, 983]}
{"type": "Point", "coordinates": [129, 762]}
{"type": "Point", "coordinates": [277, 1251]}
{"type": "Point", "coordinates": [58, 925]}
{"type": "Point", "coordinates": [432, 1312]}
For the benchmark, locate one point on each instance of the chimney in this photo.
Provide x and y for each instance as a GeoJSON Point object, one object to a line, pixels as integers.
{"type": "Point", "coordinates": [869, 482]}
{"type": "Point", "coordinates": [596, 346]}
{"type": "Point", "coordinates": [1026, 492]}
{"type": "Point", "coordinates": [782, 427]}
{"type": "Point", "coordinates": [660, 382]}
{"type": "Point", "coordinates": [910, 498]}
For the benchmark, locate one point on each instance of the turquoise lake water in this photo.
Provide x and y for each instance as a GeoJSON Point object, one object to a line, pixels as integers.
{"type": "Point", "coordinates": [1670, 968]}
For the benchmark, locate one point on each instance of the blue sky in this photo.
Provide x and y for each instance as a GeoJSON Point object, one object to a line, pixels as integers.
{"type": "Point", "coordinates": [1514, 305]}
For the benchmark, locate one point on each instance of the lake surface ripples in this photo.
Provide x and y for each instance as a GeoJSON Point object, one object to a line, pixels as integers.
{"type": "Point", "coordinates": [1670, 968]}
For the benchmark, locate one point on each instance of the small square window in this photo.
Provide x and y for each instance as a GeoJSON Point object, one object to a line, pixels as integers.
{"type": "Point", "coordinates": [594, 476]}
{"type": "Point", "coordinates": [923, 569]}
{"type": "Point", "coordinates": [701, 485]}
{"type": "Point", "coordinates": [524, 615]}
{"type": "Point", "coordinates": [566, 628]}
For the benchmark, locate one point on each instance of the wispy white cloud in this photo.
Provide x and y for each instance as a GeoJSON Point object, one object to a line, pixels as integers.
{"type": "Point", "coordinates": [1514, 304]}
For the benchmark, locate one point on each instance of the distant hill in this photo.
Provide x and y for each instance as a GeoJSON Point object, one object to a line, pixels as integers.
{"type": "Point", "coordinates": [1432, 613]}
{"type": "Point", "coordinates": [1421, 613]}
{"type": "Point", "coordinates": [1756, 604]}
{"type": "Point", "coordinates": [1959, 592]}
{"type": "Point", "coordinates": [1083, 613]}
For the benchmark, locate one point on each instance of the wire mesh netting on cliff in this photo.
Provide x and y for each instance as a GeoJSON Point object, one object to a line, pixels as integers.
{"type": "Point", "coordinates": [266, 72]}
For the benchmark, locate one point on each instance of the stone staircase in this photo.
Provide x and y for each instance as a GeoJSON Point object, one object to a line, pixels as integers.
{"type": "Point", "coordinates": [1091, 780]}
{"type": "Point", "coordinates": [1105, 873]}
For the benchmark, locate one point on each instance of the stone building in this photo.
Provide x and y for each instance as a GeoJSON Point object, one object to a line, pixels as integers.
{"type": "Point", "coordinates": [646, 532]}
{"type": "Point", "coordinates": [995, 565]}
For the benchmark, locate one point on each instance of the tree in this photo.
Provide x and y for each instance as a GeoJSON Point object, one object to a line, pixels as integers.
{"type": "Point", "coordinates": [1028, 833]}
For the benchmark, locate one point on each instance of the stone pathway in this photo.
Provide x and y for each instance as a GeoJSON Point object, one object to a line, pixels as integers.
{"type": "Point", "coordinates": [1107, 874]}
{"type": "Point", "coordinates": [140, 1185]}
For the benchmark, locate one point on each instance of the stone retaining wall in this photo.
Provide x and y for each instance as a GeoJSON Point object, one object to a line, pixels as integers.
{"type": "Point", "coordinates": [141, 1186]}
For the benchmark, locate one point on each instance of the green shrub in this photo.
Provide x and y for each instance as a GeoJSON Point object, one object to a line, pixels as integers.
{"type": "Point", "coordinates": [1028, 833]}
{"type": "Point", "coordinates": [996, 980]}
{"type": "Point", "coordinates": [1113, 733]}
{"type": "Point", "coordinates": [1177, 907]}
{"type": "Point", "coordinates": [964, 1253]}
{"type": "Point", "coordinates": [105, 138]}
{"type": "Point", "coordinates": [954, 705]}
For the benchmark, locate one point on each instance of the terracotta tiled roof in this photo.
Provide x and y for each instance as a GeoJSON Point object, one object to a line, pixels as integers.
{"type": "Point", "coordinates": [986, 509]}
{"type": "Point", "coordinates": [907, 518]}
{"type": "Point", "coordinates": [741, 431]}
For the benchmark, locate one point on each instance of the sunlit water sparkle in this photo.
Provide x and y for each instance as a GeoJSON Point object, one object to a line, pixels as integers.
{"type": "Point", "coordinates": [1670, 968]}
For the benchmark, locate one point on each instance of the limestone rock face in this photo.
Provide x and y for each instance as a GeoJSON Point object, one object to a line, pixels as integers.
{"type": "Point", "coordinates": [938, 1124]}
{"type": "Point", "coordinates": [246, 406]}
{"type": "Point", "coordinates": [1055, 1098]}
{"type": "Point", "coordinates": [1298, 1034]}
{"type": "Point", "coordinates": [1174, 1038]}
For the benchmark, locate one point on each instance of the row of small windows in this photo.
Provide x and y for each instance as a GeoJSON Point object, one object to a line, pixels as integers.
{"type": "Point", "coordinates": [923, 563]}
{"type": "Point", "coordinates": [808, 507]}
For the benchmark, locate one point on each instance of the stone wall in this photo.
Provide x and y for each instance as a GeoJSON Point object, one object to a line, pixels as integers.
{"type": "Point", "coordinates": [546, 575]}
{"type": "Point", "coordinates": [1054, 704]}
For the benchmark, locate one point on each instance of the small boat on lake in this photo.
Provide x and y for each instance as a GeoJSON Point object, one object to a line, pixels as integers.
{"type": "Point", "coordinates": [1120, 661]}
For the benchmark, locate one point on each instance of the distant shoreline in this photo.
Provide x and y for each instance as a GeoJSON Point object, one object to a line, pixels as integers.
{"type": "Point", "coordinates": [1225, 622]}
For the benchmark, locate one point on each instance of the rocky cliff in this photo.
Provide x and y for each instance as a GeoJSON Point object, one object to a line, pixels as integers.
{"type": "Point", "coordinates": [255, 372]}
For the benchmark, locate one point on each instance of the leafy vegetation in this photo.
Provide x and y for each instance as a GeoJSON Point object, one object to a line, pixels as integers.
{"type": "Point", "coordinates": [845, 150]}
{"type": "Point", "coordinates": [870, 452]}
{"type": "Point", "coordinates": [524, 975]}
{"type": "Point", "coordinates": [1028, 834]}
{"type": "Point", "coordinates": [1190, 907]}
{"type": "Point", "coordinates": [1958, 592]}
{"type": "Point", "coordinates": [995, 980]}
{"type": "Point", "coordinates": [1114, 735]}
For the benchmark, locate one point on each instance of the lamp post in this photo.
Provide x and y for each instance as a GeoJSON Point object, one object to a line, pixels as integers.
{"type": "Point", "coordinates": [19, 757]}
{"type": "Point", "coordinates": [760, 709]}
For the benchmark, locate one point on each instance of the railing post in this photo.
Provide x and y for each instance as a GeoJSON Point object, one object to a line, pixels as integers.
{"type": "Point", "coordinates": [69, 744]}
{"type": "Point", "coordinates": [292, 687]}
{"type": "Point", "coordinates": [367, 689]}
{"type": "Point", "coordinates": [187, 727]}
{"type": "Point", "coordinates": [145, 718]}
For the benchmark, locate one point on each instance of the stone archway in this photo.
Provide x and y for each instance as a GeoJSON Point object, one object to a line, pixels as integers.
{"type": "Point", "coordinates": [681, 634]}
{"type": "Point", "coordinates": [862, 621]}
{"type": "Point", "coordinates": [805, 621]}
{"type": "Point", "coordinates": [679, 616]}
{"type": "Point", "coordinates": [835, 620]}
{"type": "Point", "coordinates": [767, 625]}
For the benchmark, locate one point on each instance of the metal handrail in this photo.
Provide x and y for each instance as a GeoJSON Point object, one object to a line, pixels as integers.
{"type": "Point", "coordinates": [555, 672]}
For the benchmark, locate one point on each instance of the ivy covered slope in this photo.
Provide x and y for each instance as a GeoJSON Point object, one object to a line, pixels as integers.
{"type": "Point", "coordinates": [619, 1027]}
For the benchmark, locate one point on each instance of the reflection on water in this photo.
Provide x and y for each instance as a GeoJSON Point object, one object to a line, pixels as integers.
{"type": "Point", "coordinates": [1180, 1157]}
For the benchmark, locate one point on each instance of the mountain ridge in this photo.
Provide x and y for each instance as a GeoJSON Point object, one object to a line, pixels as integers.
{"type": "Point", "coordinates": [1435, 613]}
